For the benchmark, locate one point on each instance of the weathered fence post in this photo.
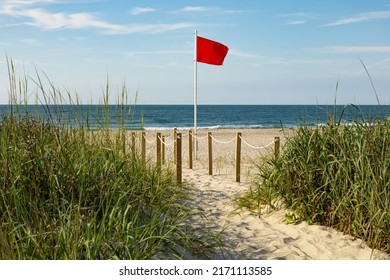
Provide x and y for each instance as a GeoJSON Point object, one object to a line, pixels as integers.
{"type": "Point", "coordinates": [190, 149]}
{"type": "Point", "coordinates": [277, 147]}
{"type": "Point", "coordinates": [158, 149]}
{"type": "Point", "coordinates": [163, 150]}
{"type": "Point", "coordinates": [143, 148]}
{"type": "Point", "coordinates": [178, 159]}
{"type": "Point", "coordinates": [238, 158]}
{"type": "Point", "coordinates": [210, 153]}
{"type": "Point", "coordinates": [174, 146]}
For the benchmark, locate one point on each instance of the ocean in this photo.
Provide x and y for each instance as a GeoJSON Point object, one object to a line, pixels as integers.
{"type": "Point", "coordinates": [162, 117]}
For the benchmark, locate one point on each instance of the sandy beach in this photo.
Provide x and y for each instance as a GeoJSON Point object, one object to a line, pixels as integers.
{"type": "Point", "coordinates": [246, 235]}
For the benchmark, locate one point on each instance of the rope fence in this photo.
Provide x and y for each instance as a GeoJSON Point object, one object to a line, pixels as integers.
{"type": "Point", "coordinates": [162, 146]}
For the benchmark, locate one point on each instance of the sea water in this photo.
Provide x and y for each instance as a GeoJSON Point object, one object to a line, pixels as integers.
{"type": "Point", "coordinates": [208, 116]}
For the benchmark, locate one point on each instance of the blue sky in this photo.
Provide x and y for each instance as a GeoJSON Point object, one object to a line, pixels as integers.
{"type": "Point", "coordinates": [281, 51]}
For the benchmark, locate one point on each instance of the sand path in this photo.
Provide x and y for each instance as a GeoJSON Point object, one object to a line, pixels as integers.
{"type": "Point", "coordinates": [248, 236]}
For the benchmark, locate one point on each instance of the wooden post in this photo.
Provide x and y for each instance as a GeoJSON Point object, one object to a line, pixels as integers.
{"type": "Point", "coordinates": [178, 159]}
{"type": "Point", "coordinates": [210, 147]}
{"type": "Point", "coordinates": [190, 149]}
{"type": "Point", "coordinates": [143, 148]}
{"type": "Point", "coordinates": [158, 149]}
{"type": "Point", "coordinates": [238, 158]}
{"type": "Point", "coordinates": [277, 147]}
{"type": "Point", "coordinates": [133, 135]}
{"type": "Point", "coordinates": [174, 146]}
{"type": "Point", "coordinates": [163, 150]}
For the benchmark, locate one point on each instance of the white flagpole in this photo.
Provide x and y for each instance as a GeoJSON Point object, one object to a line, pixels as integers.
{"type": "Point", "coordinates": [195, 93]}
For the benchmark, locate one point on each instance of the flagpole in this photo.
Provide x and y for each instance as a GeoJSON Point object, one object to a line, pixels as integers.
{"type": "Point", "coordinates": [195, 93]}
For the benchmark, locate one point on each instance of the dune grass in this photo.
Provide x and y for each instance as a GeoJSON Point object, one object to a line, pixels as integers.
{"type": "Point", "coordinates": [71, 192]}
{"type": "Point", "coordinates": [334, 175]}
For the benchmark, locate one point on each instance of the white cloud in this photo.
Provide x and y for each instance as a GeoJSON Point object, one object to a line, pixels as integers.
{"type": "Point", "coordinates": [298, 18]}
{"type": "Point", "coordinates": [238, 53]}
{"type": "Point", "coordinates": [28, 2]}
{"type": "Point", "coordinates": [151, 28]}
{"type": "Point", "coordinates": [355, 49]}
{"type": "Point", "coordinates": [209, 10]}
{"type": "Point", "coordinates": [139, 10]}
{"type": "Point", "coordinates": [361, 18]}
{"type": "Point", "coordinates": [43, 19]}
{"type": "Point", "coordinates": [382, 64]}
{"type": "Point", "coordinates": [195, 9]}
{"type": "Point", "coordinates": [296, 22]}
{"type": "Point", "coordinates": [231, 12]}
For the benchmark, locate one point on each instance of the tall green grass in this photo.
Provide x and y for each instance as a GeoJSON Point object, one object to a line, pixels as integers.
{"type": "Point", "coordinates": [71, 192]}
{"type": "Point", "coordinates": [334, 175]}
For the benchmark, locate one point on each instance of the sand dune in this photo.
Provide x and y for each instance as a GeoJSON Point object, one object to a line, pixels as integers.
{"type": "Point", "coordinates": [246, 235]}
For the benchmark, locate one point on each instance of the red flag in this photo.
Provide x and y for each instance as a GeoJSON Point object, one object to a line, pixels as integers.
{"type": "Point", "coordinates": [210, 52]}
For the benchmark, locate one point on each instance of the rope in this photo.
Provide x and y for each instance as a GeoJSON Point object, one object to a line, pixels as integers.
{"type": "Point", "coordinates": [223, 142]}
{"type": "Point", "coordinates": [212, 137]}
{"type": "Point", "coordinates": [150, 142]}
{"type": "Point", "coordinates": [254, 147]}
{"type": "Point", "coordinates": [166, 144]}
{"type": "Point", "coordinates": [170, 135]}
